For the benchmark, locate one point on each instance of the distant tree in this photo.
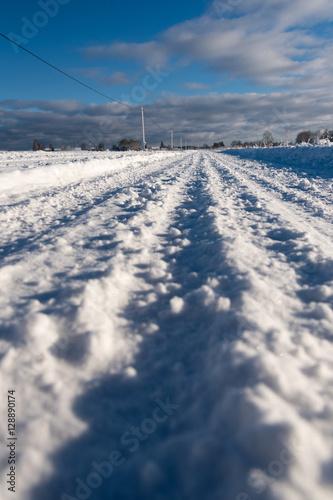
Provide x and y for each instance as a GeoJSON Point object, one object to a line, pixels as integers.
{"type": "Point", "coordinates": [62, 147]}
{"type": "Point", "coordinates": [68, 148]}
{"type": "Point", "coordinates": [41, 146]}
{"type": "Point", "coordinates": [36, 146]}
{"type": "Point", "coordinates": [304, 136]}
{"type": "Point", "coordinates": [310, 137]}
{"type": "Point", "coordinates": [101, 146]}
{"type": "Point", "coordinates": [205, 146]}
{"type": "Point", "coordinates": [267, 139]}
{"type": "Point", "coordinates": [218, 145]}
{"type": "Point", "coordinates": [236, 144]}
{"type": "Point", "coordinates": [84, 146]}
{"type": "Point", "coordinates": [327, 134]}
{"type": "Point", "coordinates": [314, 136]}
{"type": "Point", "coordinates": [162, 145]}
{"type": "Point", "coordinates": [51, 147]}
{"type": "Point", "coordinates": [128, 145]}
{"type": "Point", "coordinates": [247, 144]}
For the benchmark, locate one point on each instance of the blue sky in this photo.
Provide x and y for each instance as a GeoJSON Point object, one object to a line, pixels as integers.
{"type": "Point", "coordinates": [224, 70]}
{"type": "Point", "coordinates": [80, 24]}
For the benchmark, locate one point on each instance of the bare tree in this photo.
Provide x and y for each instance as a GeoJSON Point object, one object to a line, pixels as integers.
{"type": "Point", "coordinates": [268, 139]}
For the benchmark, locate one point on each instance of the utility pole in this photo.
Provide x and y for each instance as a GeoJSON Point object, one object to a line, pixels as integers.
{"type": "Point", "coordinates": [143, 131]}
{"type": "Point", "coordinates": [181, 144]}
{"type": "Point", "coordinates": [171, 139]}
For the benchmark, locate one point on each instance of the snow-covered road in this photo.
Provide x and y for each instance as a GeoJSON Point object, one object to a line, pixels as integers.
{"type": "Point", "coordinates": [167, 324]}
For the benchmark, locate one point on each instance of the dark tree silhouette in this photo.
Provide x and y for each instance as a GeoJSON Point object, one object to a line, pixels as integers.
{"type": "Point", "coordinates": [304, 136]}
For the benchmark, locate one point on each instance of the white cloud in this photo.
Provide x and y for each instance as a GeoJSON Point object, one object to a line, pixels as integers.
{"type": "Point", "coordinates": [148, 53]}
{"type": "Point", "coordinates": [100, 75]}
{"type": "Point", "coordinates": [273, 14]}
{"type": "Point", "coordinates": [196, 86]}
{"type": "Point", "coordinates": [270, 43]}
{"type": "Point", "coordinates": [67, 106]}
{"type": "Point", "coordinates": [118, 78]}
{"type": "Point", "coordinates": [198, 119]}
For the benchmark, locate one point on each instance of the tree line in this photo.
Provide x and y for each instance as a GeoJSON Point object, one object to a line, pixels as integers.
{"type": "Point", "coordinates": [267, 141]}
{"type": "Point", "coordinates": [40, 146]}
{"type": "Point", "coordinates": [311, 137]}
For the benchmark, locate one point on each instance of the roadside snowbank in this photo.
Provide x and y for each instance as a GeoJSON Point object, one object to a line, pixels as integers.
{"type": "Point", "coordinates": [20, 174]}
{"type": "Point", "coordinates": [310, 160]}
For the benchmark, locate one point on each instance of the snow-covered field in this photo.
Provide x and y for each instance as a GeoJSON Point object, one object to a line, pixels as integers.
{"type": "Point", "coordinates": [167, 324]}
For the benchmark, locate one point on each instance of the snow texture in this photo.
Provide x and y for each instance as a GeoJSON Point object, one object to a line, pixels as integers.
{"type": "Point", "coordinates": [167, 324]}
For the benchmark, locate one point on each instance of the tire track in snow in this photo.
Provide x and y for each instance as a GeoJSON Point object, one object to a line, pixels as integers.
{"type": "Point", "coordinates": [27, 224]}
{"type": "Point", "coordinates": [306, 189]}
{"type": "Point", "coordinates": [172, 313]}
{"type": "Point", "coordinates": [58, 247]}
{"type": "Point", "coordinates": [177, 312]}
{"type": "Point", "coordinates": [185, 315]}
{"type": "Point", "coordinates": [286, 334]}
{"type": "Point", "coordinates": [82, 335]}
{"type": "Point", "coordinates": [269, 185]}
{"type": "Point", "coordinates": [284, 229]}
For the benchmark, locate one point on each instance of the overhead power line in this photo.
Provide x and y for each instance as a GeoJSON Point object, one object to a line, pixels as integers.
{"type": "Point", "coordinates": [137, 108]}
{"type": "Point", "coordinates": [70, 76]}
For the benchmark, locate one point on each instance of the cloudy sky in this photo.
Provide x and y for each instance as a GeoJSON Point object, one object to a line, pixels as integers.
{"type": "Point", "coordinates": [209, 71]}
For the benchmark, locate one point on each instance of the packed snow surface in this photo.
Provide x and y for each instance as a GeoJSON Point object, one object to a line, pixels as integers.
{"type": "Point", "coordinates": [167, 324]}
